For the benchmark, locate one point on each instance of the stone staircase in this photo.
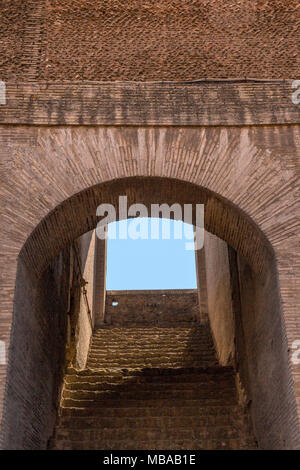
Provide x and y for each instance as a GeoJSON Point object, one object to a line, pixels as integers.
{"type": "Point", "coordinates": [151, 387]}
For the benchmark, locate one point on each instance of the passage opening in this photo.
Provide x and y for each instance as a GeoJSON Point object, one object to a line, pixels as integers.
{"type": "Point", "coordinates": [150, 254]}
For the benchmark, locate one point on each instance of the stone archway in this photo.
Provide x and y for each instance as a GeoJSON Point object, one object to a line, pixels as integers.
{"type": "Point", "coordinates": [242, 168]}
{"type": "Point", "coordinates": [77, 215]}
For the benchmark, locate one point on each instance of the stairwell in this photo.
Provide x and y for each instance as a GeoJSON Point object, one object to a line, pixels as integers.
{"type": "Point", "coordinates": [152, 385]}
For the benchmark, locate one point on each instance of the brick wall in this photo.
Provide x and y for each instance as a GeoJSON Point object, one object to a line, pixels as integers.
{"type": "Point", "coordinates": [53, 177]}
{"type": "Point", "coordinates": [161, 40]}
{"type": "Point", "coordinates": [92, 254]}
{"type": "Point", "coordinates": [157, 307]}
{"type": "Point", "coordinates": [100, 280]}
{"type": "Point", "coordinates": [84, 321]}
{"type": "Point", "coordinates": [53, 329]}
{"type": "Point", "coordinates": [201, 281]}
{"type": "Point", "coordinates": [265, 347]}
{"type": "Point", "coordinates": [37, 352]}
{"type": "Point", "coordinates": [219, 297]}
{"type": "Point", "coordinates": [248, 332]}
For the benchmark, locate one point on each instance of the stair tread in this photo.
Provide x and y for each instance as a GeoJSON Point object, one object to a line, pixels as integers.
{"type": "Point", "coordinates": [170, 444]}
{"type": "Point", "coordinates": [151, 387]}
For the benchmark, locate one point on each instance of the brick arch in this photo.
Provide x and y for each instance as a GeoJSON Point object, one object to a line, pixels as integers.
{"type": "Point", "coordinates": [222, 218]}
{"type": "Point", "coordinates": [238, 172]}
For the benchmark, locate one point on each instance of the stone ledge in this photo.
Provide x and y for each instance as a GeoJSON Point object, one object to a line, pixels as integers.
{"type": "Point", "coordinates": [195, 103]}
{"type": "Point", "coordinates": [151, 292]}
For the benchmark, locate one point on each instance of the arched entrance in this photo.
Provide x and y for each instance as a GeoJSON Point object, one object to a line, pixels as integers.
{"type": "Point", "coordinates": [265, 354]}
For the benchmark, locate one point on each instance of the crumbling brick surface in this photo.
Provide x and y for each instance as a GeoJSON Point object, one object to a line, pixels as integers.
{"type": "Point", "coordinates": [13, 17]}
{"type": "Point", "coordinates": [150, 39]}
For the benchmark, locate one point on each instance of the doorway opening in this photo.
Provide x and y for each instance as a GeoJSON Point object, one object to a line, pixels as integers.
{"type": "Point", "coordinates": [153, 257]}
{"type": "Point", "coordinates": [240, 271]}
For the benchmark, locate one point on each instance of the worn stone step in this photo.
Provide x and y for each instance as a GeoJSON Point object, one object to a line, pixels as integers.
{"type": "Point", "coordinates": [192, 327]}
{"type": "Point", "coordinates": [144, 333]}
{"type": "Point", "coordinates": [141, 385]}
{"type": "Point", "coordinates": [182, 394]}
{"type": "Point", "coordinates": [149, 363]}
{"type": "Point", "coordinates": [124, 339]}
{"type": "Point", "coordinates": [148, 338]}
{"type": "Point", "coordinates": [169, 409]}
{"type": "Point", "coordinates": [152, 350]}
{"type": "Point", "coordinates": [152, 373]}
{"type": "Point", "coordinates": [151, 346]}
{"type": "Point", "coordinates": [163, 334]}
{"type": "Point", "coordinates": [150, 358]}
{"type": "Point", "coordinates": [143, 360]}
{"type": "Point", "coordinates": [146, 374]}
{"type": "Point", "coordinates": [174, 444]}
{"type": "Point", "coordinates": [137, 401]}
{"type": "Point", "coordinates": [175, 313]}
{"type": "Point", "coordinates": [158, 322]}
{"type": "Point", "coordinates": [145, 434]}
{"type": "Point", "coordinates": [230, 419]}
{"type": "Point", "coordinates": [144, 355]}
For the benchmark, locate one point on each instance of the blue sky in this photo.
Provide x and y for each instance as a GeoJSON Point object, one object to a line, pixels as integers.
{"type": "Point", "coordinates": [148, 263]}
